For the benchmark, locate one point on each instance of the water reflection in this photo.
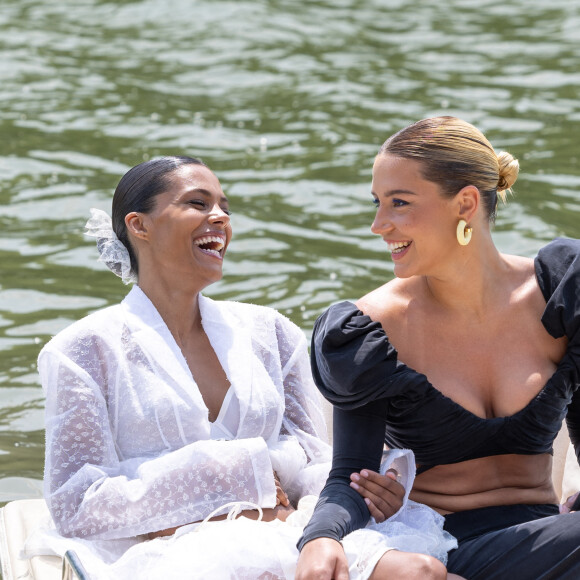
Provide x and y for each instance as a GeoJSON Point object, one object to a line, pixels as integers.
{"type": "Point", "coordinates": [288, 102]}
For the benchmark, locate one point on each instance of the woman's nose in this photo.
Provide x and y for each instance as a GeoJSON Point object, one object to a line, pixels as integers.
{"type": "Point", "coordinates": [218, 215]}
{"type": "Point", "coordinates": [381, 224]}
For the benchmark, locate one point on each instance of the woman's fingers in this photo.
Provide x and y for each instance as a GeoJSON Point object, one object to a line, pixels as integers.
{"type": "Point", "coordinates": [571, 504]}
{"type": "Point", "coordinates": [382, 493]}
{"type": "Point", "coordinates": [281, 495]}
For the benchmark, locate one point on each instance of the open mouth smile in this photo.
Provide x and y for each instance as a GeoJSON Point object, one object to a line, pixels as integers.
{"type": "Point", "coordinates": [212, 245]}
{"type": "Point", "coordinates": [397, 247]}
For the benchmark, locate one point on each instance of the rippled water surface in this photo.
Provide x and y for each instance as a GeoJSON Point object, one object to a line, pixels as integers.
{"type": "Point", "coordinates": [288, 102]}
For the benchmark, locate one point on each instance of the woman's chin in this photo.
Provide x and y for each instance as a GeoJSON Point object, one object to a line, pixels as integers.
{"type": "Point", "coordinates": [401, 271]}
{"type": "Point", "coordinates": [213, 275]}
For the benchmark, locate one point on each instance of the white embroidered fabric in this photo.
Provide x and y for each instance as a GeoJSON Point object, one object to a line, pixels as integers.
{"type": "Point", "coordinates": [414, 528]}
{"type": "Point", "coordinates": [129, 447]}
{"type": "Point", "coordinates": [112, 251]}
{"type": "Point", "coordinates": [127, 431]}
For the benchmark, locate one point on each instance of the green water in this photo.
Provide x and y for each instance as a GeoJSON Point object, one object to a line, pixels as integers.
{"type": "Point", "coordinates": [288, 101]}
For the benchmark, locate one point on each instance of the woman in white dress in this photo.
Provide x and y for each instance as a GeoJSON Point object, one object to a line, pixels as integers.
{"type": "Point", "coordinates": [169, 410]}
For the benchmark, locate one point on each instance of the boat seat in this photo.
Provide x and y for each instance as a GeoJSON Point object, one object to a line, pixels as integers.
{"type": "Point", "coordinates": [17, 519]}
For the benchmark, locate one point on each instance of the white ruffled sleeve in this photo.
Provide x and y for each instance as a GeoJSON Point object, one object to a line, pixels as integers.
{"type": "Point", "coordinates": [92, 493]}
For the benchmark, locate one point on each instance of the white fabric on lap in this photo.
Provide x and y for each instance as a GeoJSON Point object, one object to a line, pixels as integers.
{"type": "Point", "coordinates": [245, 549]}
{"type": "Point", "coordinates": [414, 528]}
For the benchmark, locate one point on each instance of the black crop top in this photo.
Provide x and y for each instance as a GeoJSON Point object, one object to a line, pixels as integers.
{"type": "Point", "coordinates": [378, 399]}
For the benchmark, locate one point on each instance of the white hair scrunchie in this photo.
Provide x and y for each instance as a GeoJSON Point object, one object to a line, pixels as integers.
{"type": "Point", "coordinates": [113, 252]}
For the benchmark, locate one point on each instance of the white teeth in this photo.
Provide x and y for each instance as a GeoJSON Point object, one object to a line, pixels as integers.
{"type": "Point", "coordinates": [213, 252]}
{"type": "Point", "coordinates": [210, 239]}
{"type": "Point", "coordinates": [396, 247]}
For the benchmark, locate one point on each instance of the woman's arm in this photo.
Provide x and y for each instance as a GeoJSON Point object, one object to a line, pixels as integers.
{"type": "Point", "coordinates": [358, 440]}
{"type": "Point", "coordinates": [352, 365]}
{"type": "Point", "coordinates": [93, 493]}
{"type": "Point", "coordinates": [358, 437]}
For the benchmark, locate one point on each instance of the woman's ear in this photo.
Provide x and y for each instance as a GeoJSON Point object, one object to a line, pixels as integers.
{"type": "Point", "coordinates": [468, 200]}
{"type": "Point", "coordinates": [136, 225]}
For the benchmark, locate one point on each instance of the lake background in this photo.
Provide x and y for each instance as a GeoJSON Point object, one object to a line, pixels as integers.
{"type": "Point", "coordinates": [288, 102]}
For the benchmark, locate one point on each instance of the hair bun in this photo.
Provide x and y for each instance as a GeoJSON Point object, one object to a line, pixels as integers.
{"type": "Point", "coordinates": [508, 172]}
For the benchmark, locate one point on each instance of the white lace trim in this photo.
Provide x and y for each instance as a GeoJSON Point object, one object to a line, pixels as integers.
{"type": "Point", "coordinates": [113, 252]}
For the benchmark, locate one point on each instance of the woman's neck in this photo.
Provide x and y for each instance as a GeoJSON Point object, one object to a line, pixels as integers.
{"type": "Point", "coordinates": [177, 305]}
{"type": "Point", "coordinates": [470, 286]}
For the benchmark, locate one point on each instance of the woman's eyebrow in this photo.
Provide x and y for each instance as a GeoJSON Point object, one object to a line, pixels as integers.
{"type": "Point", "coordinates": [392, 192]}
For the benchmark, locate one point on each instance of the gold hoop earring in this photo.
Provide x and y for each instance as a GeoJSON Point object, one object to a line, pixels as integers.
{"type": "Point", "coordinates": [463, 233]}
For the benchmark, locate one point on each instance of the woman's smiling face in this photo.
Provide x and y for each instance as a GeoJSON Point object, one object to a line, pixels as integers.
{"type": "Point", "coordinates": [189, 229]}
{"type": "Point", "coordinates": [413, 217]}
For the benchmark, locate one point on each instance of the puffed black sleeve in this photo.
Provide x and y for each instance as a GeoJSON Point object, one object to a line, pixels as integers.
{"type": "Point", "coordinates": [573, 422]}
{"type": "Point", "coordinates": [558, 273]}
{"type": "Point", "coordinates": [353, 361]}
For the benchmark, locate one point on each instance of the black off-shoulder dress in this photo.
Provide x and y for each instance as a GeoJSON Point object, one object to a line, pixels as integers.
{"type": "Point", "coordinates": [378, 399]}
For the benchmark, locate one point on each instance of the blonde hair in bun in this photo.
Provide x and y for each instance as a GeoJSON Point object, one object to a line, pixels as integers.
{"type": "Point", "coordinates": [509, 169]}
{"type": "Point", "coordinates": [454, 154]}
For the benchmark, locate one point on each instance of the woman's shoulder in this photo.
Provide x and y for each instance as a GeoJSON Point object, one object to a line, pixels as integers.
{"type": "Point", "coordinates": [557, 262]}
{"type": "Point", "coordinates": [556, 257]}
{"type": "Point", "coordinates": [391, 297]}
{"type": "Point", "coordinates": [97, 324]}
{"type": "Point", "coordinates": [352, 357]}
{"type": "Point", "coordinates": [368, 314]}
{"type": "Point", "coordinates": [390, 303]}
{"type": "Point", "coordinates": [568, 245]}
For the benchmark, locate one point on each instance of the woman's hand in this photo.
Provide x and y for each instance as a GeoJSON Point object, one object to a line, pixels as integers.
{"type": "Point", "coordinates": [568, 506]}
{"type": "Point", "coordinates": [383, 494]}
{"type": "Point", "coordinates": [281, 496]}
{"type": "Point", "coordinates": [322, 559]}
{"type": "Point", "coordinates": [283, 506]}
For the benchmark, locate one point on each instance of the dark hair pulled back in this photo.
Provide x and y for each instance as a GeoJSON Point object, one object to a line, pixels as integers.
{"type": "Point", "coordinates": [137, 191]}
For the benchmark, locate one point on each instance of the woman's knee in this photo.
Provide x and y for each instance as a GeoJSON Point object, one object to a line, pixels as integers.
{"type": "Point", "coordinates": [408, 566]}
{"type": "Point", "coordinates": [427, 568]}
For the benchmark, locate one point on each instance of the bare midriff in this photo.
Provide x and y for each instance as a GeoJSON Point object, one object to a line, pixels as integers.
{"type": "Point", "coordinates": [488, 481]}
